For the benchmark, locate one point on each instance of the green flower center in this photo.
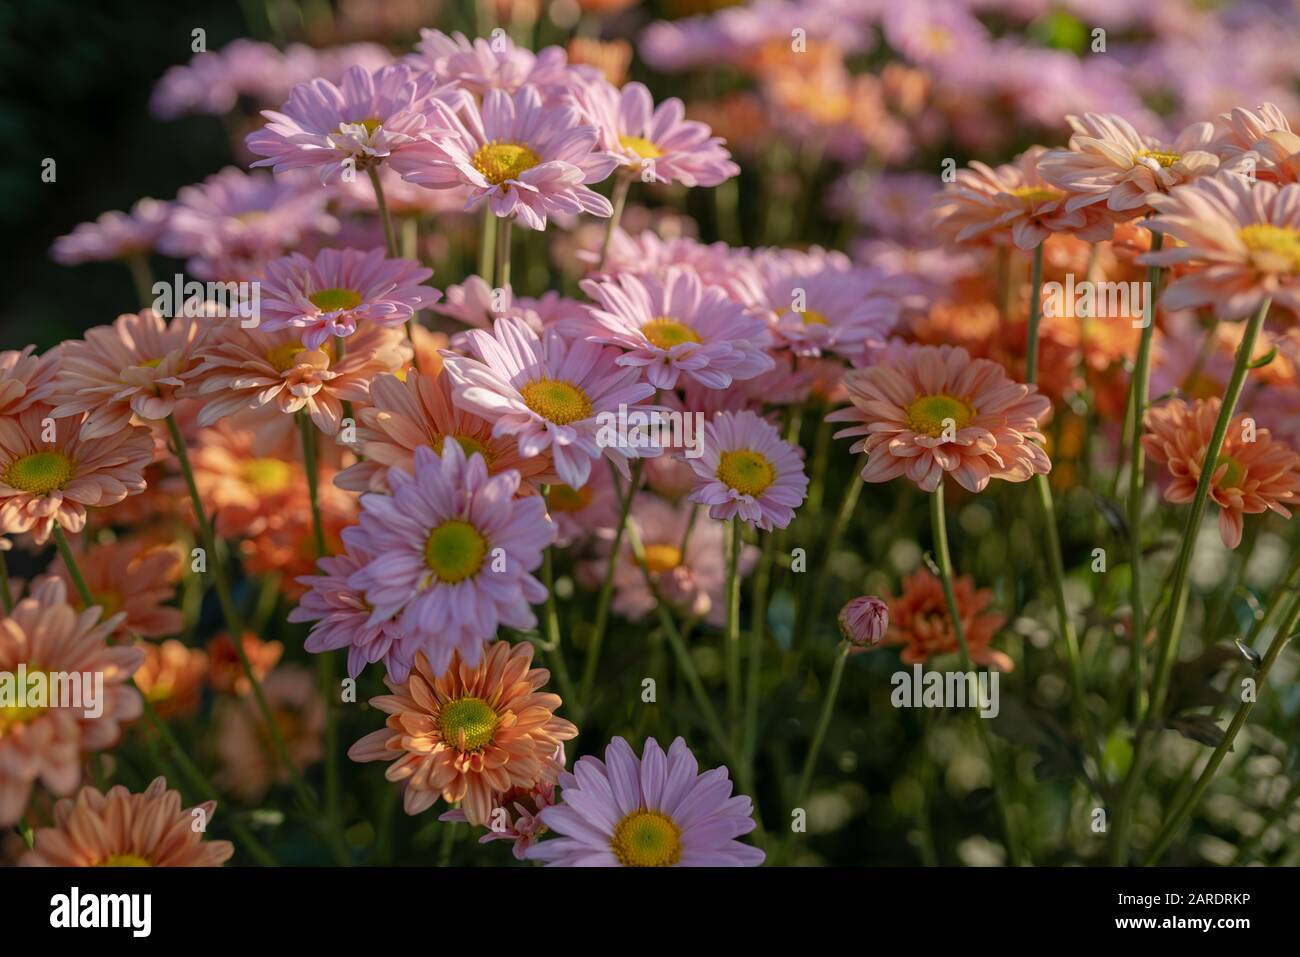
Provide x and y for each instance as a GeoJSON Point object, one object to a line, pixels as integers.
{"type": "Point", "coordinates": [565, 498]}
{"type": "Point", "coordinates": [40, 472]}
{"type": "Point", "coordinates": [641, 147]}
{"type": "Point", "coordinates": [12, 715]}
{"type": "Point", "coordinates": [556, 401]}
{"type": "Point", "coordinates": [1234, 474]}
{"type": "Point", "coordinates": [1165, 159]}
{"type": "Point", "coordinates": [467, 445]}
{"type": "Point", "coordinates": [334, 299]}
{"type": "Point", "coordinates": [1036, 194]}
{"type": "Point", "coordinates": [268, 476]}
{"type": "Point", "coordinates": [1274, 248]}
{"type": "Point", "coordinates": [647, 839]}
{"type": "Point", "coordinates": [467, 724]}
{"type": "Point", "coordinates": [499, 162]}
{"type": "Point", "coordinates": [932, 415]}
{"type": "Point", "coordinates": [664, 333]}
{"type": "Point", "coordinates": [748, 472]}
{"type": "Point", "coordinates": [455, 551]}
{"type": "Point", "coordinates": [125, 859]}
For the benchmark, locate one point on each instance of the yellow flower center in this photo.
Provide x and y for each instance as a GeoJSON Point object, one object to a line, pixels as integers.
{"type": "Point", "coordinates": [268, 476]}
{"type": "Point", "coordinates": [1273, 248]}
{"type": "Point", "coordinates": [1036, 194]}
{"type": "Point", "coordinates": [556, 401]}
{"type": "Point", "coordinates": [333, 299]}
{"type": "Point", "coordinates": [933, 415]}
{"type": "Point", "coordinates": [467, 445]}
{"type": "Point", "coordinates": [499, 162]}
{"type": "Point", "coordinates": [284, 356]}
{"type": "Point", "coordinates": [811, 317]}
{"type": "Point", "coordinates": [664, 333]}
{"type": "Point", "coordinates": [467, 724]}
{"type": "Point", "coordinates": [642, 148]}
{"type": "Point", "coordinates": [748, 472]}
{"type": "Point", "coordinates": [152, 363]}
{"type": "Point", "coordinates": [565, 498]}
{"type": "Point", "coordinates": [662, 558]}
{"type": "Point", "coordinates": [125, 859]}
{"type": "Point", "coordinates": [371, 123]}
{"type": "Point", "coordinates": [455, 551]}
{"type": "Point", "coordinates": [647, 839]}
{"type": "Point", "coordinates": [40, 472]}
{"type": "Point", "coordinates": [12, 715]}
{"type": "Point", "coordinates": [1165, 159]}
{"type": "Point", "coordinates": [1234, 474]}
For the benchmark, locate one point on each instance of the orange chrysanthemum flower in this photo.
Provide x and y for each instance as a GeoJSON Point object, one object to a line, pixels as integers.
{"type": "Point", "coordinates": [249, 762]}
{"type": "Point", "coordinates": [919, 621]}
{"type": "Point", "coordinates": [226, 671]}
{"type": "Point", "coordinates": [924, 411]}
{"type": "Point", "coordinates": [129, 577]}
{"type": "Point", "coordinates": [26, 379]}
{"type": "Point", "coordinates": [471, 734]}
{"type": "Point", "coordinates": [45, 742]}
{"type": "Point", "coordinates": [172, 677]}
{"type": "Point", "coordinates": [49, 475]}
{"type": "Point", "coordinates": [121, 829]}
{"type": "Point", "coordinates": [406, 415]}
{"type": "Point", "coordinates": [1255, 472]}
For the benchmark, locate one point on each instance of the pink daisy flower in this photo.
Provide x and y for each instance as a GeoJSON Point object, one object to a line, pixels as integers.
{"type": "Point", "coordinates": [342, 617]}
{"type": "Point", "coordinates": [524, 159]}
{"type": "Point", "coordinates": [475, 303]}
{"type": "Point", "coordinates": [329, 295]}
{"type": "Point", "coordinates": [579, 513]}
{"type": "Point", "coordinates": [674, 325]}
{"type": "Point", "coordinates": [654, 811]}
{"type": "Point", "coordinates": [747, 470]}
{"type": "Point", "coordinates": [233, 223]}
{"type": "Point", "coordinates": [481, 65]}
{"type": "Point", "coordinates": [451, 550]}
{"type": "Point", "coordinates": [843, 311]}
{"type": "Point", "coordinates": [924, 411]}
{"type": "Point", "coordinates": [372, 117]}
{"type": "Point", "coordinates": [550, 393]}
{"type": "Point", "coordinates": [655, 144]}
{"type": "Point", "coordinates": [114, 235]}
{"type": "Point", "coordinates": [26, 378]}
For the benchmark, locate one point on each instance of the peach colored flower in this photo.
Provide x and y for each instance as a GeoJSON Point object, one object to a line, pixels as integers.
{"type": "Point", "coordinates": [26, 378]}
{"type": "Point", "coordinates": [1238, 243]}
{"type": "Point", "coordinates": [403, 416]}
{"type": "Point", "coordinates": [471, 734]}
{"type": "Point", "coordinates": [1255, 473]}
{"type": "Point", "coordinates": [127, 576]}
{"type": "Point", "coordinates": [121, 829]}
{"type": "Point", "coordinates": [172, 677]}
{"type": "Point", "coordinates": [1010, 204]}
{"type": "Point", "coordinates": [923, 411]}
{"type": "Point", "coordinates": [245, 368]}
{"type": "Point", "coordinates": [919, 622]}
{"type": "Point", "coordinates": [1258, 143]}
{"type": "Point", "coordinates": [49, 476]}
{"type": "Point", "coordinates": [249, 762]}
{"type": "Point", "coordinates": [226, 672]}
{"type": "Point", "coordinates": [1109, 163]}
{"type": "Point", "coordinates": [38, 742]}
{"type": "Point", "coordinates": [135, 367]}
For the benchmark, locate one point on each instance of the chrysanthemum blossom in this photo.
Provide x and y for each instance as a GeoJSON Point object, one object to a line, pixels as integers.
{"type": "Point", "coordinates": [121, 829]}
{"type": "Point", "coordinates": [1255, 473]}
{"type": "Point", "coordinates": [451, 551]}
{"type": "Point", "coordinates": [1108, 162]}
{"type": "Point", "coordinates": [328, 296]}
{"type": "Point", "coordinates": [522, 158]}
{"type": "Point", "coordinates": [342, 617]}
{"type": "Point", "coordinates": [131, 369]}
{"type": "Point", "coordinates": [114, 235]}
{"type": "Point", "coordinates": [654, 143]}
{"type": "Point", "coordinates": [1238, 243]}
{"type": "Point", "coordinates": [920, 624]}
{"type": "Point", "coordinates": [864, 621]}
{"type": "Point", "coordinates": [370, 118]}
{"type": "Point", "coordinates": [247, 368]}
{"type": "Point", "coordinates": [50, 474]}
{"type": "Point", "coordinates": [405, 414]}
{"type": "Point", "coordinates": [656, 810]}
{"type": "Point", "coordinates": [548, 392]}
{"type": "Point", "coordinates": [748, 471]}
{"type": "Point", "coordinates": [521, 822]}
{"type": "Point", "coordinates": [926, 411]}
{"type": "Point", "coordinates": [485, 64]}
{"type": "Point", "coordinates": [832, 310]}
{"type": "Point", "coordinates": [26, 379]}
{"type": "Point", "coordinates": [1257, 143]}
{"type": "Point", "coordinates": [470, 732]}
{"type": "Point", "coordinates": [1010, 204]}
{"type": "Point", "coordinates": [673, 325]}
{"type": "Point", "coordinates": [43, 741]}
{"type": "Point", "coordinates": [130, 577]}
{"type": "Point", "coordinates": [250, 764]}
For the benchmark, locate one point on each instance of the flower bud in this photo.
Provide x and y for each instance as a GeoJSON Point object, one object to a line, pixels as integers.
{"type": "Point", "coordinates": [864, 621]}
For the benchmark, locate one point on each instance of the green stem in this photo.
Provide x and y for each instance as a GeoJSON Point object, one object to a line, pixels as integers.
{"type": "Point", "coordinates": [6, 591]}
{"type": "Point", "coordinates": [939, 526]}
{"type": "Point", "coordinates": [1175, 821]}
{"type": "Point", "coordinates": [732, 545]}
{"type": "Point", "coordinates": [503, 252]}
{"type": "Point", "coordinates": [1035, 315]}
{"type": "Point", "coordinates": [823, 722]}
{"type": "Point", "coordinates": [808, 611]}
{"type": "Point", "coordinates": [757, 636]}
{"type": "Point", "coordinates": [390, 241]}
{"type": "Point", "coordinates": [1247, 847]}
{"type": "Point", "coordinates": [487, 245]}
{"type": "Point", "coordinates": [618, 199]}
{"type": "Point", "coordinates": [141, 278]}
{"type": "Point", "coordinates": [607, 586]}
{"type": "Point", "coordinates": [551, 619]}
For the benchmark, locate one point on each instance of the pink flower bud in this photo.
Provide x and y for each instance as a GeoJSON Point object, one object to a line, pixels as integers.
{"type": "Point", "coordinates": [864, 621]}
